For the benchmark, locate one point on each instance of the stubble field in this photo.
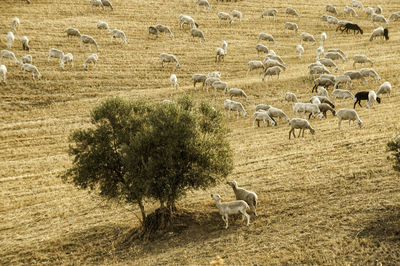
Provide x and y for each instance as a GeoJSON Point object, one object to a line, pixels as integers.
{"type": "Point", "coordinates": [330, 198]}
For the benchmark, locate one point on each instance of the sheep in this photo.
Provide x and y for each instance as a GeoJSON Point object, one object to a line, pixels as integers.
{"type": "Point", "coordinates": [219, 85]}
{"type": "Point", "coordinates": [378, 9]}
{"type": "Point", "coordinates": [394, 16]}
{"type": "Point", "coordinates": [275, 112]}
{"type": "Point", "coordinates": [273, 56]}
{"type": "Point", "coordinates": [209, 81]}
{"type": "Point", "coordinates": [14, 24]}
{"type": "Point", "coordinates": [25, 43]}
{"type": "Point", "coordinates": [10, 55]}
{"type": "Point", "coordinates": [3, 73]}
{"type": "Point", "coordinates": [350, 11]}
{"type": "Point", "coordinates": [203, 3]}
{"type": "Point", "coordinates": [324, 99]}
{"type": "Point", "coordinates": [254, 65]}
{"type": "Point", "coordinates": [269, 13]}
{"type": "Point", "coordinates": [356, 3]}
{"type": "Point", "coordinates": [107, 3]}
{"type": "Point", "coordinates": [66, 59]}
{"type": "Point", "coordinates": [72, 32]}
{"type": "Point", "coordinates": [380, 32]}
{"type": "Point", "coordinates": [224, 16]}
{"type": "Point", "coordinates": [174, 81]}
{"type": "Point", "coordinates": [55, 53]}
{"type": "Point", "coordinates": [275, 70]}
{"type": "Point", "coordinates": [169, 58]}
{"type": "Point", "coordinates": [385, 87]}
{"type": "Point", "coordinates": [221, 52]}
{"type": "Point", "coordinates": [342, 79]}
{"type": "Point", "coordinates": [237, 14]}
{"type": "Point", "coordinates": [91, 59]}
{"type": "Point", "coordinates": [10, 39]}
{"type": "Point", "coordinates": [118, 34]}
{"type": "Point", "coordinates": [372, 98]}
{"type": "Point", "coordinates": [26, 59]}
{"type": "Point", "coordinates": [307, 108]}
{"type": "Point", "coordinates": [185, 19]}
{"type": "Point", "coordinates": [353, 74]}
{"type": "Point", "coordinates": [301, 124]}
{"type": "Point", "coordinates": [324, 108]}
{"type": "Point", "coordinates": [335, 56]}
{"type": "Point", "coordinates": [307, 37]}
{"type": "Point", "coordinates": [153, 31]}
{"type": "Point", "coordinates": [364, 95]}
{"type": "Point", "coordinates": [33, 69]}
{"type": "Point", "coordinates": [361, 59]}
{"type": "Point", "coordinates": [237, 92]}
{"type": "Point", "coordinates": [262, 115]}
{"type": "Point", "coordinates": [318, 70]}
{"type": "Point", "coordinates": [102, 25]}
{"type": "Point", "coordinates": [86, 39]}
{"type": "Point", "coordinates": [319, 52]}
{"type": "Point", "coordinates": [323, 38]}
{"type": "Point", "coordinates": [95, 3]}
{"type": "Point", "coordinates": [348, 114]}
{"type": "Point", "coordinates": [369, 72]}
{"type": "Point", "coordinates": [338, 51]}
{"type": "Point", "coordinates": [350, 26]}
{"type": "Point", "coordinates": [266, 37]}
{"type": "Point", "coordinates": [164, 29]}
{"type": "Point", "coordinates": [261, 48]}
{"type": "Point", "coordinates": [268, 62]}
{"type": "Point", "coordinates": [332, 20]}
{"type": "Point", "coordinates": [291, 97]}
{"type": "Point", "coordinates": [231, 207]}
{"type": "Point", "coordinates": [263, 107]}
{"type": "Point", "coordinates": [328, 63]}
{"type": "Point", "coordinates": [230, 105]}
{"type": "Point", "coordinates": [324, 17]}
{"type": "Point", "coordinates": [369, 11]}
{"type": "Point", "coordinates": [197, 33]}
{"type": "Point", "coordinates": [341, 94]}
{"type": "Point", "coordinates": [331, 9]}
{"type": "Point", "coordinates": [242, 194]}
{"type": "Point", "coordinates": [291, 26]}
{"type": "Point", "coordinates": [315, 100]}
{"type": "Point", "coordinates": [328, 76]}
{"type": "Point", "coordinates": [197, 78]}
{"type": "Point", "coordinates": [292, 11]}
{"type": "Point", "coordinates": [299, 50]}
{"type": "Point", "coordinates": [379, 18]}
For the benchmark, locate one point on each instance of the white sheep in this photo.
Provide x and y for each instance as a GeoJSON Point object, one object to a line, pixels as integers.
{"type": "Point", "coordinates": [322, 92]}
{"type": "Point", "coordinates": [323, 38]}
{"type": "Point", "coordinates": [10, 39]}
{"type": "Point", "coordinates": [92, 59]}
{"type": "Point", "coordinates": [350, 11]}
{"type": "Point", "coordinates": [361, 59]}
{"type": "Point", "coordinates": [219, 85]}
{"type": "Point", "coordinates": [197, 78]}
{"type": "Point", "coordinates": [315, 100]}
{"type": "Point", "coordinates": [291, 26]}
{"type": "Point", "coordinates": [348, 114]}
{"type": "Point", "coordinates": [107, 3]}
{"type": "Point", "coordinates": [261, 48]}
{"type": "Point", "coordinates": [328, 63]}
{"type": "Point", "coordinates": [272, 55]}
{"type": "Point", "coordinates": [304, 108]}
{"type": "Point", "coordinates": [354, 74]}
{"type": "Point", "coordinates": [369, 72]}
{"type": "Point", "coordinates": [269, 62]}
{"type": "Point", "coordinates": [197, 33]}
{"type": "Point", "coordinates": [10, 55]}
{"type": "Point", "coordinates": [153, 31]}
{"type": "Point", "coordinates": [379, 18]}
{"type": "Point", "coordinates": [102, 25]}
{"type": "Point", "coordinates": [332, 20]}
{"type": "Point", "coordinates": [203, 3]}
{"type": "Point", "coordinates": [318, 69]}
{"type": "Point", "coordinates": [86, 39]}
{"type": "Point", "coordinates": [291, 97]}
{"type": "Point", "coordinates": [335, 56]}
{"type": "Point", "coordinates": [266, 37]}
{"type": "Point", "coordinates": [264, 107]}
{"type": "Point", "coordinates": [342, 79]}
{"type": "Point", "coordinates": [385, 87]}
{"type": "Point", "coordinates": [378, 9]}
{"type": "Point", "coordinates": [224, 16]}
{"type": "Point", "coordinates": [394, 16]}
{"type": "Point", "coordinates": [67, 58]}
{"type": "Point", "coordinates": [33, 69]}
{"type": "Point", "coordinates": [116, 33]}
{"type": "Point", "coordinates": [164, 29]}
{"type": "Point", "coordinates": [230, 105]}
{"type": "Point", "coordinates": [55, 53]}
{"type": "Point", "coordinates": [331, 9]}
{"type": "Point", "coordinates": [72, 32]}
{"type": "Point", "coordinates": [237, 14]}
{"type": "Point", "coordinates": [254, 65]}
{"type": "Point", "coordinates": [221, 52]}
{"type": "Point", "coordinates": [338, 51]}
{"type": "Point", "coordinates": [299, 50]}
{"type": "Point", "coordinates": [26, 59]}
{"type": "Point", "coordinates": [299, 123]}
{"type": "Point", "coordinates": [14, 24]}
{"type": "Point", "coordinates": [307, 37]}
{"type": "Point", "coordinates": [231, 207]}
{"type": "Point", "coordinates": [3, 73]}
{"type": "Point", "coordinates": [292, 12]}
{"type": "Point", "coordinates": [95, 3]}
{"type": "Point", "coordinates": [328, 76]}
{"type": "Point", "coordinates": [174, 81]}
{"type": "Point", "coordinates": [379, 32]}
{"type": "Point", "coordinates": [357, 4]}
{"type": "Point", "coordinates": [185, 19]}
{"type": "Point", "coordinates": [371, 99]}
{"type": "Point", "coordinates": [25, 43]}
{"type": "Point", "coordinates": [209, 81]}
{"type": "Point", "coordinates": [275, 70]}
{"type": "Point", "coordinates": [276, 112]}
{"type": "Point", "coordinates": [269, 13]}
{"type": "Point", "coordinates": [262, 115]}
{"type": "Point", "coordinates": [242, 194]}
{"type": "Point", "coordinates": [238, 93]}
{"type": "Point", "coordinates": [319, 52]}
{"type": "Point", "coordinates": [369, 11]}
{"type": "Point", "coordinates": [168, 58]}
{"type": "Point", "coordinates": [342, 94]}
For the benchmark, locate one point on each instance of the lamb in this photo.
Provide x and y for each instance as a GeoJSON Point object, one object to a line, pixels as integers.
{"type": "Point", "coordinates": [55, 53]}
{"type": "Point", "coordinates": [254, 65]}
{"type": "Point", "coordinates": [72, 32]}
{"type": "Point", "coordinates": [328, 63]}
{"type": "Point", "coordinates": [341, 94]}
{"type": "Point", "coordinates": [203, 3]}
{"type": "Point", "coordinates": [293, 12]}
{"type": "Point", "coordinates": [353, 74]}
{"type": "Point", "coordinates": [262, 115]}
{"type": "Point", "coordinates": [197, 78]}
{"type": "Point", "coordinates": [394, 16]}
{"type": "Point", "coordinates": [331, 9]}
{"type": "Point", "coordinates": [275, 70]}
{"type": "Point", "coordinates": [3, 73]}
{"type": "Point", "coordinates": [230, 105]}
{"type": "Point", "coordinates": [237, 92]}
{"type": "Point", "coordinates": [118, 34]}
{"type": "Point", "coordinates": [264, 107]}
{"type": "Point", "coordinates": [356, 3]}
{"type": "Point", "coordinates": [102, 25]}
{"type": "Point", "coordinates": [369, 72]}
{"type": "Point", "coordinates": [26, 59]}
{"type": "Point", "coordinates": [95, 3]}
{"type": "Point", "coordinates": [224, 16]}
{"type": "Point", "coordinates": [335, 56]}
{"type": "Point", "coordinates": [10, 39]}
{"type": "Point", "coordinates": [153, 31]}
{"type": "Point", "coordinates": [261, 48]}
{"type": "Point", "coordinates": [291, 26]}
{"type": "Point", "coordinates": [307, 37]}
{"type": "Point", "coordinates": [323, 38]}
{"type": "Point", "coordinates": [379, 18]}
{"type": "Point", "coordinates": [14, 24]}
{"type": "Point", "coordinates": [164, 29]}
{"type": "Point", "coordinates": [169, 58]}
{"type": "Point", "coordinates": [219, 85]}
{"type": "Point", "coordinates": [33, 69]}
{"type": "Point", "coordinates": [66, 59]}
{"type": "Point", "coordinates": [300, 123]}
{"type": "Point", "coordinates": [319, 52]}
{"type": "Point", "coordinates": [237, 14]}
{"type": "Point", "coordinates": [342, 79]}
{"type": "Point", "coordinates": [231, 207]}
{"type": "Point", "coordinates": [275, 112]}
{"type": "Point", "coordinates": [269, 13]}
{"type": "Point", "coordinates": [299, 50]}
{"type": "Point", "coordinates": [242, 194]}
{"type": "Point", "coordinates": [361, 59]}
{"type": "Point", "coordinates": [10, 55]}
{"type": "Point", "coordinates": [348, 114]}
{"type": "Point", "coordinates": [266, 37]}
{"type": "Point", "coordinates": [174, 81]}
{"type": "Point", "coordinates": [364, 95]}
{"type": "Point", "coordinates": [221, 52]}
{"type": "Point", "coordinates": [350, 11]}
{"type": "Point", "coordinates": [92, 59]}
{"type": "Point", "coordinates": [380, 32]}
{"type": "Point", "coordinates": [25, 43]}
{"type": "Point", "coordinates": [324, 108]}
{"type": "Point", "coordinates": [197, 33]}
{"type": "Point", "coordinates": [107, 3]}
{"type": "Point", "coordinates": [86, 39]}
{"type": "Point", "coordinates": [185, 19]}
{"type": "Point", "coordinates": [291, 97]}
{"type": "Point", "coordinates": [386, 87]}
{"type": "Point", "coordinates": [307, 108]}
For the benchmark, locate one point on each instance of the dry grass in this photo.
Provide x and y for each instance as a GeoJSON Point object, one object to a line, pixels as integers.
{"type": "Point", "coordinates": [331, 198]}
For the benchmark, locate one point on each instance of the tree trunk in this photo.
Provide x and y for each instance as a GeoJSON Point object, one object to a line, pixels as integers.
{"type": "Point", "coordinates": [140, 203]}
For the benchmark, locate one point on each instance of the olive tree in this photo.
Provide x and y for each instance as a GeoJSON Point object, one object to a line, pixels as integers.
{"type": "Point", "coordinates": [394, 147]}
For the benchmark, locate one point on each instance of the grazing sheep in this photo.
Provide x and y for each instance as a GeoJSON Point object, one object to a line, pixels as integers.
{"type": "Point", "coordinates": [107, 3]}
{"type": "Point", "coordinates": [230, 105]}
{"type": "Point", "coordinates": [25, 43]}
{"type": "Point", "coordinates": [164, 29]}
{"type": "Point", "coordinates": [342, 79]}
{"type": "Point", "coordinates": [262, 115]}
{"type": "Point", "coordinates": [353, 74]}
{"type": "Point", "coordinates": [224, 16]}
{"type": "Point", "coordinates": [26, 59]}
{"type": "Point", "coordinates": [318, 69]}
{"type": "Point", "coordinates": [307, 37]}
{"type": "Point", "coordinates": [331, 9]}
{"type": "Point", "coordinates": [10, 39]}
{"type": "Point", "coordinates": [361, 59]}
{"type": "Point", "coordinates": [185, 19]}
{"type": "Point", "coordinates": [292, 12]}
{"type": "Point", "coordinates": [378, 9]}
{"type": "Point", "coordinates": [332, 20]}
{"type": "Point", "coordinates": [357, 4]}
{"type": "Point", "coordinates": [307, 108]}
{"type": "Point", "coordinates": [299, 50]}
{"type": "Point", "coordinates": [238, 93]}
{"type": "Point", "coordinates": [319, 52]}
{"type": "Point", "coordinates": [254, 65]}
{"type": "Point", "coordinates": [273, 56]}
{"type": "Point", "coordinates": [118, 34]}
{"type": "Point", "coordinates": [369, 72]}
{"type": "Point", "coordinates": [348, 114]}
{"type": "Point", "coordinates": [379, 18]}
{"type": "Point", "coordinates": [169, 58]}
{"type": "Point", "coordinates": [299, 123]}
{"type": "Point", "coordinates": [92, 59]}
{"type": "Point", "coordinates": [3, 73]}
{"type": "Point", "coordinates": [102, 25]}
{"type": "Point", "coordinates": [197, 33]}
{"type": "Point", "coordinates": [266, 37]}
{"type": "Point", "coordinates": [291, 97]}
{"type": "Point", "coordinates": [268, 62]}
{"type": "Point", "coordinates": [275, 112]}
{"type": "Point", "coordinates": [386, 87]}
{"type": "Point", "coordinates": [197, 78]}
{"type": "Point", "coordinates": [95, 3]}
{"type": "Point", "coordinates": [328, 63]}
{"type": "Point", "coordinates": [174, 81]}
{"type": "Point", "coordinates": [350, 26]}
{"type": "Point", "coordinates": [369, 11]}
{"type": "Point", "coordinates": [153, 31]}
{"type": "Point", "coordinates": [350, 11]}
{"type": "Point", "coordinates": [324, 99]}
{"type": "Point", "coordinates": [323, 38]}
{"type": "Point", "coordinates": [68, 58]}
{"type": "Point", "coordinates": [237, 14]}
{"type": "Point", "coordinates": [328, 76]}
{"type": "Point", "coordinates": [269, 13]}
{"type": "Point", "coordinates": [324, 108]}
{"type": "Point", "coordinates": [33, 69]}
{"type": "Point", "coordinates": [221, 52]}
{"type": "Point", "coordinates": [394, 16]}
{"type": "Point", "coordinates": [209, 81]}
{"type": "Point", "coordinates": [242, 194]}
{"type": "Point", "coordinates": [338, 51]}
{"type": "Point", "coordinates": [72, 32]}
{"type": "Point", "coordinates": [231, 207]}
{"type": "Point", "coordinates": [14, 24]}
{"type": "Point", "coordinates": [86, 39]}
{"type": "Point", "coordinates": [364, 95]}
{"type": "Point", "coordinates": [322, 92]}
{"type": "Point", "coordinates": [55, 53]}
{"type": "Point", "coordinates": [372, 98]}
{"type": "Point", "coordinates": [203, 3]}
{"type": "Point", "coordinates": [10, 55]}
{"type": "Point", "coordinates": [264, 107]}
{"type": "Point", "coordinates": [219, 85]}
{"type": "Point", "coordinates": [380, 32]}
{"type": "Point", "coordinates": [335, 56]}
{"type": "Point", "coordinates": [291, 26]}
{"type": "Point", "coordinates": [341, 94]}
{"type": "Point", "coordinates": [261, 48]}
{"type": "Point", "coordinates": [275, 70]}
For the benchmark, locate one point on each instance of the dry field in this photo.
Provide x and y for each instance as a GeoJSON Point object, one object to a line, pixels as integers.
{"type": "Point", "coordinates": [331, 198]}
